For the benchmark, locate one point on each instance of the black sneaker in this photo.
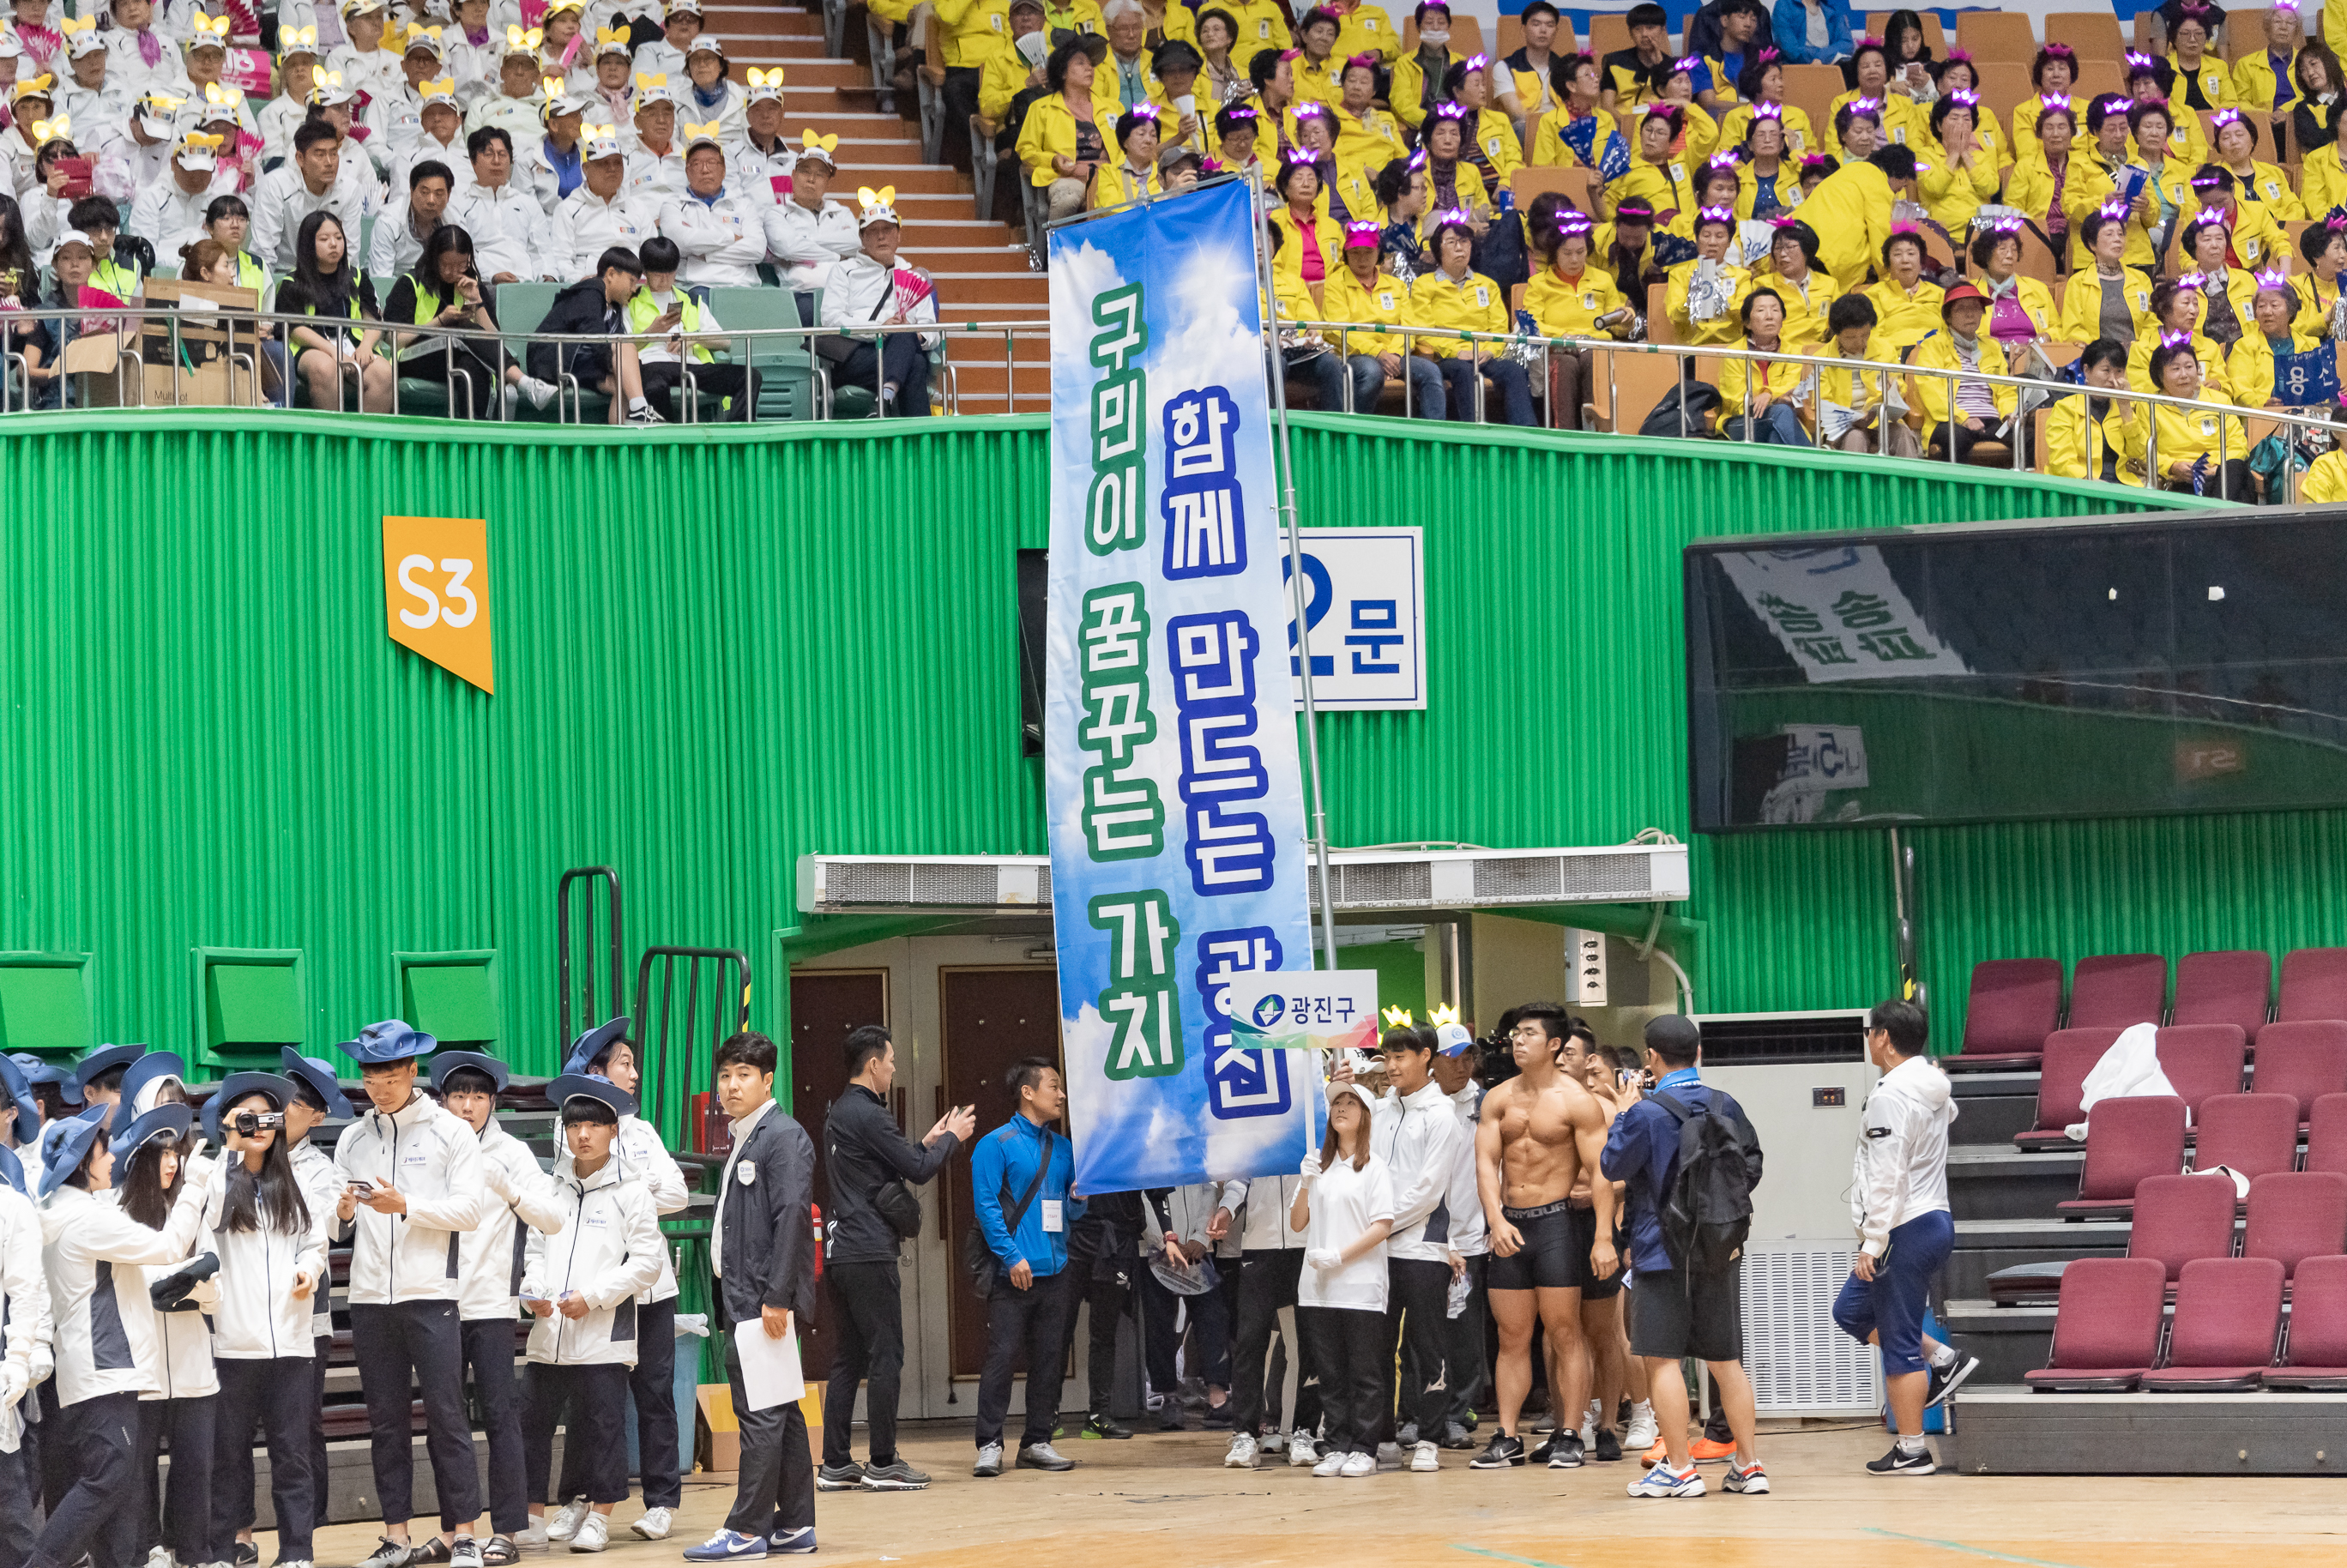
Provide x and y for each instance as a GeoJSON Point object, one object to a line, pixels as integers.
{"type": "Point", "coordinates": [1544, 1447]}
{"type": "Point", "coordinates": [1564, 1452]}
{"type": "Point", "coordinates": [1456, 1437]}
{"type": "Point", "coordinates": [1609, 1446]}
{"type": "Point", "coordinates": [1899, 1462]}
{"type": "Point", "coordinates": [1169, 1416]}
{"type": "Point", "coordinates": [1502, 1453]}
{"type": "Point", "coordinates": [1946, 1380]}
{"type": "Point", "coordinates": [848, 1477]}
{"type": "Point", "coordinates": [247, 1554]}
{"type": "Point", "coordinates": [1101, 1424]}
{"type": "Point", "coordinates": [894, 1476]}
{"type": "Point", "coordinates": [1408, 1436]}
{"type": "Point", "coordinates": [1217, 1417]}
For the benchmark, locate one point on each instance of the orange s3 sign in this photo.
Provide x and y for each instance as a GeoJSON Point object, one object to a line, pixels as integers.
{"type": "Point", "coordinates": [436, 592]}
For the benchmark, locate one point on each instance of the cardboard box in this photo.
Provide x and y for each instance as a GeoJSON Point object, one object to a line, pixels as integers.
{"type": "Point", "coordinates": [717, 1444]}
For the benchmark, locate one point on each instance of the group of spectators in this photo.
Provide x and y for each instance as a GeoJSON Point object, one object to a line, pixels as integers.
{"type": "Point", "coordinates": [392, 181]}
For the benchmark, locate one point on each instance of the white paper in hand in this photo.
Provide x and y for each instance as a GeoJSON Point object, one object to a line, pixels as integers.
{"type": "Point", "coordinates": [770, 1367]}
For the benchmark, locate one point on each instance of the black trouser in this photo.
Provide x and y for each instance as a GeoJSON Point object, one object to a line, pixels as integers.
{"type": "Point", "coordinates": [19, 1504]}
{"type": "Point", "coordinates": [488, 1344]}
{"type": "Point", "coordinates": [273, 1395]}
{"type": "Point", "coordinates": [774, 1489]}
{"type": "Point", "coordinates": [867, 1324]}
{"type": "Point", "coordinates": [56, 1461]}
{"type": "Point", "coordinates": [960, 94]}
{"type": "Point", "coordinates": [468, 370]}
{"type": "Point", "coordinates": [1463, 1342]}
{"type": "Point", "coordinates": [594, 1432]}
{"type": "Point", "coordinates": [662, 378]}
{"type": "Point", "coordinates": [653, 1381]}
{"type": "Point", "coordinates": [238, 1505]}
{"type": "Point", "coordinates": [423, 1341]}
{"type": "Point", "coordinates": [1351, 1354]}
{"type": "Point", "coordinates": [177, 1513]}
{"type": "Point", "coordinates": [1266, 1284]}
{"type": "Point", "coordinates": [1417, 1291]}
{"type": "Point", "coordinates": [1032, 1321]}
{"type": "Point", "coordinates": [903, 362]}
{"type": "Point", "coordinates": [1105, 1287]}
{"type": "Point", "coordinates": [98, 1514]}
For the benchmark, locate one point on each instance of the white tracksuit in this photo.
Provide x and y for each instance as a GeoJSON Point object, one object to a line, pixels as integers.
{"type": "Point", "coordinates": [107, 1345]}
{"type": "Point", "coordinates": [1418, 1136]}
{"type": "Point", "coordinates": [608, 1250]}
{"type": "Point", "coordinates": [434, 1161]}
{"type": "Point", "coordinates": [723, 241]}
{"type": "Point", "coordinates": [255, 1315]}
{"type": "Point", "coordinates": [321, 1189]}
{"type": "Point", "coordinates": [643, 1159]}
{"type": "Point", "coordinates": [26, 1357]}
{"type": "Point", "coordinates": [1471, 1236]}
{"type": "Point", "coordinates": [183, 1368]}
{"type": "Point", "coordinates": [1900, 1169]}
{"type": "Point", "coordinates": [493, 1254]}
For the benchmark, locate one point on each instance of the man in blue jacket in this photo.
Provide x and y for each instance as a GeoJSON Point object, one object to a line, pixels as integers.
{"type": "Point", "coordinates": [1677, 1312]}
{"type": "Point", "coordinates": [1812, 32]}
{"type": "Point", "coordinates": [1026, 1224]}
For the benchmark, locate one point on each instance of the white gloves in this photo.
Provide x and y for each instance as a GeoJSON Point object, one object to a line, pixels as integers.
{"type": "Point", "coordinates": [1323, 1258]}
{"type": "Point", "coordinates": [13, 1382]}
{"type": "Point", "coordinates": [1310, 1169]}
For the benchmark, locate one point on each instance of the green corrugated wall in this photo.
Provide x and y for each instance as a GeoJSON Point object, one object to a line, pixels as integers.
{"type": "Point", "coordinates": [718, 650]}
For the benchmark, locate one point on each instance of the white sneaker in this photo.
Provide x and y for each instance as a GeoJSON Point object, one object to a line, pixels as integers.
{"type": "Point", "coordinates": [1333, 1465]}
{"type": "Point", "coordinates": [1426, 1458]}
{"type": "Point", "coordinates": [1301, 1449]}
{"type": "Point", "coordinates": [654, 1525]}
{"type": "Point", "coordinates": [593, 1534]}
{"type": "Point", "coordinates": [1358, 1465]}
{"type": "Point", "coordinates": [1272, 1443]}
{"type": "Point", "coordinates": [563, 1523]}
{"type": "Point", "coordinates": [160, 1558]}
{"type": "Point", "coordinates": [1643, 1433]}
{"type": "Point", "coordinates": [1242, 1454]}
{"type": "Point", "coordinates": [535, 1538]}
{"type": "Point", "coordinates": [540, 392]}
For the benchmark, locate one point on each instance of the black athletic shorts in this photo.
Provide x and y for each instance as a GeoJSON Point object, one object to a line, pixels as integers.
{"type": "Point", "coordinates": [1674, 1315]}
{"type": "Point", "coordinates": [1584, 1222]}
{"type": "Point", "coordinates": [1554, 1256]}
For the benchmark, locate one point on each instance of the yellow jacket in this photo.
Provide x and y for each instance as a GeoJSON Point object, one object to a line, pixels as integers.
{"type": "Point", "coordinates": [2314, 306]}
{"type": "Point", "coordinates": [2036, 301]}
{"type": "Point", "coordinates": [1151, 89]}
{"type": "Point", "coordinates": [2094, 183]}
{"type": "Point", "coordinates": [1851, 212]}
{"type": "Point", "coordinates": [1938, 351]}
{"type": "Point", "coordinates": [1903, 320]}
{"type": "Point", "coordinates": [2321, 181]}
{"type": "Point", "coordinates": [2024, 123]}
{"type": "Point", "coordinates": [2216, 84]}
{"type": "Point", "coordinates": [1322, 84]}
{"type": "Point", "coordinates": [1494, 135]}
{"type": "Point", "coordinates": [2182, 434]}
{"type": "Point", "coordinates": [1296, 302]}
{"type": "Point", "coordinates": [1850, 387]}
{"type": "Point", "coordinates": [1368, 143]}
{"type": "Point", "coordinates": [971, 32]}
{"type": "Point", "coordinates": [1748, 188]}
{"type": "Point", "coordinates": [2075, 444]}
{"type": "Point", "coordinates": [1550, 150]}
{"type": "Point", "coordinates": [1115, 185]}
{"type": "Point", "coordinates": [1800, 136]}
{"type": "Point", "coordinates": [1367, 30]}
{"type": "Point", "coordinates": [1050, 130]}
{"type": "Point", "coordinates": [1347, 300]}
{"type": "Point", "coordinates": [1806, 306]}
{"type": "Point", "coordinates": [2254, 89]}
{"type": "Point", "coordinates": [1562, 308]}
{"type": "Point", "coordinates": [1905, 122]}
{"type": "Point", "coordinates": [1466, 183]}
{"type": "Point", "coordinates": [2240, 288]}
{"type": "Point", "coordinates": [2325, 479]}
{"type": "Point", "coordinates": [1952, 195]}
{"type": "Point", "coordinates": [2082, 301]}
{"type": "Point", "coordinates": [1987, 135]}
{"type": "Point", "coordinates": [1408, 89]}
{"type": "Point", "coordinates": [1262, 25]}
{"type": "Point", "coordinates": [1326, 232]}
{"type": "Point", "coordinates": [1723, 328]}
{"type": "Point", "coordinates": [2188, 143]}
{"type": "Point", "coordinates": [2030, 185]}
{"type": "Point", "coordinates": [1740, 378]}
{"type": "Point", "coordinates": [2214, 387]}
{"type": "Point", "coordinates": [2250, 368]}
{"type": "Point", "coordinates": [2265, 187]}
{"type": "Point", "coordinates": [1666, 187]}
{"type": "Point", "coordinates": [1477, 305]}
{"type": "Point", "coordinates": [1005, 78]}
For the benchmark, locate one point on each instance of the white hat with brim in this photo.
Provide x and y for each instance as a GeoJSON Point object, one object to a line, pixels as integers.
{"type": "Point", "coordinates": [1358, 1090]}
{"type": "Point", "coordinates": [568, 103]}
{"type": "Point", "coordinates": [357, 7]}
{"type": "Point", "coordinates": [705, 44]}
{"type": "Point", "coordinates": [75, 237]}
{"type": "Point", "coordinates": [87, 43]}
{"type": "Point", "coordinates": [195, 158]}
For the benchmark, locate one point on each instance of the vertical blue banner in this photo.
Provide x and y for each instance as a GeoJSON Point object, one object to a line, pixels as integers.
{"type": "Point", "coordinates": [1170, 767]}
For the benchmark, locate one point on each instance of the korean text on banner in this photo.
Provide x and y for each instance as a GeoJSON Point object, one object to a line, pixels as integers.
{"type": "Point", "coordinates": [1170, 762]}
{"type": "Point", "coordinates": [1841, 614]}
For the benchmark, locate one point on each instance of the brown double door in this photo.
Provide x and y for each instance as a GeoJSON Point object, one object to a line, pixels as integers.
{"type": "Point", "coordinates": [993, 1017]}
{"type": "Point", "coordinates": [825, 1005]}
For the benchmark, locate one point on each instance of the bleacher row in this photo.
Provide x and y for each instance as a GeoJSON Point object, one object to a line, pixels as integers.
{"type": "Point", "coordinates": [2016, 1005]}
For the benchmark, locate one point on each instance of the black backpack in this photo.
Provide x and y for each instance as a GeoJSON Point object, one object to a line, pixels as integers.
{"type": "Point", "coordinates": [1707, 1210]}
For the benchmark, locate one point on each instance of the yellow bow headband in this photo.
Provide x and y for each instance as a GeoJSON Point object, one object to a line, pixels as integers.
{"type": "Point", "coordinates": [654, 80]}
{"type": "Point", "coordinates": [819, 144]}
{"type": "Point", "coordinates": [868, 197]}
{"type": "Point", "coordinates": [69, 26]}
{"type": "Point", "coordinates": [296, 40]}
{"type": "Point", "coordinates": [220, 97]}
{"type": "Point", "coordinates": [50, 129]}
{"type": "Point", "coordinates": [516, 38]}
{"type": "Point", "coordinates": [445, 88]}
{"type": "Point", "coordinates": [208, 30]}
{"type": "Point", "coordinates": [200, 141]}
{"type": "Point", "coordinates": [605, 35]}
{"type": "Point", "coordinates": [759, 79]}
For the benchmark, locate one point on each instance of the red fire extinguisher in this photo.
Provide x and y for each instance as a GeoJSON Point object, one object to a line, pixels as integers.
{"type": "Point", "coordinates": [816, 1211]}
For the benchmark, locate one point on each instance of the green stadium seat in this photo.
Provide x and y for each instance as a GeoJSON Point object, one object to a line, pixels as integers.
{"type": "Point", "coordinates": [785, 366]}
{"type": "Point", "coordinates": [520, 307]}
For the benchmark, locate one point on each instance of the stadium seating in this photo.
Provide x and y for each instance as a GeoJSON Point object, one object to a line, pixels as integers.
{"type": "Point", "coordinates": [2014, 1004]}
{"type": "Point", "coordinates": [2255, 1135]}
{"type": "Point", "coordinates": [2070, 1055]}
{"type": "Point", "coordinates": [2224, 987]}
{"type": "Point", "coordinates": [2313, 985]}
{"type": "Point", "coordinates": [2306, 1060]}
{"type": "Point", "coordinates": [2202, 1061]}
{"type": "Point", "coordinates": [2112, 991]}
{"type": "Point", "coordinates": [2315, 1359]}
{"type": "Point", "coordinates": [2127, 1140]}
{"type": "Point", "coordinates": [2228, 1319]}
{"type": "Point", "coordinates": [2295, 1216]}
{"type": "Point", "coordinates": [2326, 1134]}
{"type": "Point", "coordinates": [2105, 1325]}
{"type": "Point", "coordinates": [2179, 1218]}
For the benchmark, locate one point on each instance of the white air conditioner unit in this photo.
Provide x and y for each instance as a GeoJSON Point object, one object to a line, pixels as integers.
{"type": "Point", "coordinates": [1800, 1363]}
{"type": "Point", "coordinates": [1361, 880]}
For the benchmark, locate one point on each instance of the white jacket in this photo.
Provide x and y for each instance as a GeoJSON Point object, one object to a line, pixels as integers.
{"type": "Point", "coordinates": [492, 1254]}
{"type": "Point", "coordinates": [807, 245]}
{"type": "Point", "coordinates": [861, 291]}
{"type": "Point", "coordinates": [645, 1160]}
{"type": "Point", "coordinates": [1471, 1236]}
{"type": "Point", "coordinates": [25, 1352]}
{"type": "Point", "coordinates": [255, 1314]}
{"type": "Point", "coordinates": [321, 1189]}
{"type": "Point", "coordinates": [1262, 1220]}
{"type": "Point", "coordinates": [584, 226]}
{"type": "Point", "coordinates": [607, 1249]}
{"type": "Point", "coordinates": [1900, 1169]}
{"type": "Point", "coordinates": [283, 200]}
{"type": "Point", "coordinates": [436, 1162]}
{"type": "Point", "coordinates": [504, 223]}
{"type": "Point", "coordinates": [106, 1340]}
{"type": "Point", "coordinates": [183, 1365]}
{"type": "Point", "coordinates": [1418, 1136]}
{"type": "Point", "coordinates": [752, 171]}
{"type": "Point", "coordinates": [723, 242]}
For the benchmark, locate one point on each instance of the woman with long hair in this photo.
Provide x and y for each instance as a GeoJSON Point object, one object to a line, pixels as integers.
{"type": "Point", "coordinates": [1346, 1209]}
{"type": "Point", "coordinates": [339, 362]}
{"type": "Point", "coordinates": [177, 1414]}
{"type": "Point", "coordinates": [271, 1245]}
{"type": "Point", "coordinates": [445, 289]}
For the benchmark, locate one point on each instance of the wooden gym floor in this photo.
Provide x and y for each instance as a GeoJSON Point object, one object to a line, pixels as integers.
{"type": "Point", "coordinates": [1166, 1502]}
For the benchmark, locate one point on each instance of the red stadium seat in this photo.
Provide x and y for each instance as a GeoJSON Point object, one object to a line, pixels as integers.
{"type": "Point", "coordinates": [2326, 1134]}
{"type": "Point", "coordinates": [2313, 985]}
{"type": "Point", "coordinates": [2127, 1140]}
{"type": "Point", "coordinates": [2227, 1317]}
{"type": "Point", "coordinates": [2315, 1359]}
{"type": "Point", "coordinates": [2070, 1055]}
{"type": "Point", "coordinates": [2179, 1218]}
{"type": "Point", "coordinates": [2306, 1061]}
{"type": "Point", "coordinates": [2296, 1214]}
{"type": "Point", "coordinates": [2118, 990]}
{"type": "Point", "coordinates": [2224, 987]}
{"type": "Point", "coordinates": [2255, 1135]}
{"type": "Point", "coordinates": [2014, 1004]}
{"type": "Point", "coordinates": [2105, 1325]}
{"type": "Point", "coordinates": [2202, 1061]}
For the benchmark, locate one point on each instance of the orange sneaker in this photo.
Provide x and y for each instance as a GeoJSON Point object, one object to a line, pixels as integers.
{"type": "Point", "coordinates": [1656, 1455]}
{"type": "Point", "coordinates": [1706, 1451]}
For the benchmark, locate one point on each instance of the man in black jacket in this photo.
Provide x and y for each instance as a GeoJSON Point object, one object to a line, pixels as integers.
{"type": "Point", "coordinates": [868, 1154]}
{"type": "Point", "coordinates": [597, 307]}
{"type": "Point", "coordinates": [762, 1250]}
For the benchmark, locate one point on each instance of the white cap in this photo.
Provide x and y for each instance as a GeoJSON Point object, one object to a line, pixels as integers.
{"type": "Point", "coordinates": [84, 42]}
{"type": "Point", "coordinates": [424, 39]}
{"type": "Point", "coordinates": [652, 88]}
{"type": "Point", "coordinates": [75, 237]}
{"type": "Point", "coordinates": [706, 44]}
{"type": "Point", "coordinates": [601, 141]}
{"type": "Point", "coordinates": [1452, 1039]}
{"type": "Point", "coordinates": [328, 87]}
{"type": "Point", "coordinates": [608, 42]}
{"type": "Point", "coordinates": [692, 6]}
{"type": "Point", "coordinates": [191, 155]}
{"type": "Point", "coordinates": [11, 47]}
